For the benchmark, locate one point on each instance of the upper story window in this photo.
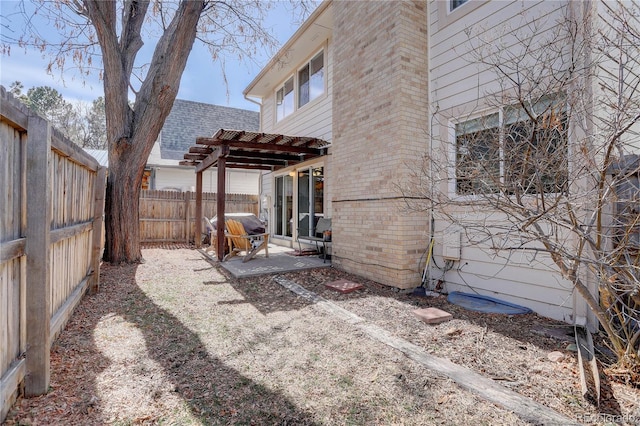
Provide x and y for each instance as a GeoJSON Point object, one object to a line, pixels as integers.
{"type": "Point", "coordinates": [309, 83]}
{"type": "Point", "coordinates": [517, 150]}
{"type": "Point", "coordinates": [284, 100]}
{"type": "Point", "coordinates": [454, 4]}
{"type": "Point", "coordinates": [311, 80]}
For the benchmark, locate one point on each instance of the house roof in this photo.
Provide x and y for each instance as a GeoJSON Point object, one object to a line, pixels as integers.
{"type": "Point", "coordinates": [189, 120]}
{"type": "Point", "coordinates": [101, 156]}
{"type": "Point", "coordinates": [253, 150]}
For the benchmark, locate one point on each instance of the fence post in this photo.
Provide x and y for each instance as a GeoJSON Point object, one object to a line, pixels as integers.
{"type": "Point", "coordinates": [37, 249]}
{"type": "Point", "coordinates": [98, 213]}
{"type": "Point", "coordinates": [187, 216]}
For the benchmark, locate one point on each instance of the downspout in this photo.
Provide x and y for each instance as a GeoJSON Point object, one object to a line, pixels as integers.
{"type": "Point", "coordinates": [431, 118]}
{"type": "Point", "coordinates": [430, 136]}
{"type": "Point", "coordinates": [431, 111]}
{"type": "Point", "coordinates": [587, 12]}
{"type": "Point", "coordinates": [255, 102]}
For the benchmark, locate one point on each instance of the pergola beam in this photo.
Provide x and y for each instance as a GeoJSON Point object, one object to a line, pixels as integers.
{"type": "Point", "coordinates": [260, 146]}
{"type": "Point", "coordinates": [266, 161]}
{"type": "Point", "coordinates": [200, 150]}
{"type": "Point", "coordinates": [196, 157]}
{"type": "Point", "coordinates": [231, 165]}
{"type": "Point", "coordinates": [265, 155]}
{"type": "Point", "coordinates": [213, 158]}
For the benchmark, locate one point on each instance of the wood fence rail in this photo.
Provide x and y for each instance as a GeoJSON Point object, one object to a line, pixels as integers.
{"type": "Point", "coordinates": [169, 216]}
{"type": "Point", "coordinates": [51, 210]}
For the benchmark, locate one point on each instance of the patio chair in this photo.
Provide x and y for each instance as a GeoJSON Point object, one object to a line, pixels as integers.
{"type": "Point", "coordinates": [239, 241]}
{"type": "Point", "coordinates": [322, 235]}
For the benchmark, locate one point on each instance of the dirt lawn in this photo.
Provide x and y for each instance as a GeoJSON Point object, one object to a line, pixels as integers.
{"type": "Point", "coordinates": [176, 341]}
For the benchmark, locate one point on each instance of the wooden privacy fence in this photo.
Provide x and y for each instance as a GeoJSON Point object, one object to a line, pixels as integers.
{"type": "Point", "coordinates": [51, 208]}
{"type": "Point", "coordinates": [169, 216]}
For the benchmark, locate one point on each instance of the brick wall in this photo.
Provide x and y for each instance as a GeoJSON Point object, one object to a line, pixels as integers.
{"type": "Point", "coordinates": [380, 124]}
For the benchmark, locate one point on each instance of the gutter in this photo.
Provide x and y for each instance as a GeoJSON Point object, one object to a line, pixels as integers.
{"type": "Point", "coordinates": [259, 103]}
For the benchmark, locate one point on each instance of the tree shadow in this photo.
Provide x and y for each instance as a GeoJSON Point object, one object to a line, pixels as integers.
{"type": "Point", "coordinates": [94, 356]}
{"type": "Point", "coordinates": [215, 393]}
{"type": "Point", "coordinates": [260, 291]}
{"type": "Point", "coordinates": [527, 331]}
{"type": "Point", "coordinates": [266, 295]}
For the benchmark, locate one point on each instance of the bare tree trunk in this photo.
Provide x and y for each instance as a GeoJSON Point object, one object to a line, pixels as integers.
{"type": "Point", "coordinates": [131, 132]}
{"type": "Point", "coordinates": [122, 213]}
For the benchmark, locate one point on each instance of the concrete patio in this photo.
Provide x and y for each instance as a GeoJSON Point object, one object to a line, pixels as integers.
{"type": "Point", "coordinates": [280, 260]}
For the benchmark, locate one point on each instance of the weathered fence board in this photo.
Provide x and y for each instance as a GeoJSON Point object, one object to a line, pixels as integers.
{"type": "Point", "coordinates": [39, 199]}
{"type": "Point", "coordinates": [51, 201]}
{"type": "Point", "coordinates": [12, 249]}
{"type": "Point", "coordinates": [169, 216]}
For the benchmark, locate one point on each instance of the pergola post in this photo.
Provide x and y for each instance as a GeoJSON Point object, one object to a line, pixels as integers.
{"type": "Point", "coordinates": [220, 200]}
{"type": "Point", "coordinates": [198, 227]}
{"type": "Point", "coordinates": [239, 149]}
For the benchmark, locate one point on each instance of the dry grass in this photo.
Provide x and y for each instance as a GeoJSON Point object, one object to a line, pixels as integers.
{"type": "Point", "coordinates": [175, 341]}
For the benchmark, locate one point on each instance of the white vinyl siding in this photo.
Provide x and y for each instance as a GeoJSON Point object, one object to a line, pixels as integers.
{"type": "Point", "coordinates": [237, 181]}
{"type": "Point", "coordinates": [314, 119]}
{"type": "Point", "coordinates": [460, 90]}
{"type": "Point", "coordinates": [455, 77]}
{"type": "Point", "coordinates": [522, 280]}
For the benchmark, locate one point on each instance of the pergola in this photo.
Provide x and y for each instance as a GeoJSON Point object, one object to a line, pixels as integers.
{"type": "Point", "coordinates": [239, 149]}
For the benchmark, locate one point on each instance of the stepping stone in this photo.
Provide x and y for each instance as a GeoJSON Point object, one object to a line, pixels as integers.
{"type": "Point", "coordinates": [555, 356]}
{"type": "Point", "coordinates": [343, 286]}
{"type": "Point", "coordinates": [432, 315]}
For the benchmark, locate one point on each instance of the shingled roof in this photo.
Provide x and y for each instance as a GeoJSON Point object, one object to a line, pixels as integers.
{"type": "Point", "coordinates": [189, 120]}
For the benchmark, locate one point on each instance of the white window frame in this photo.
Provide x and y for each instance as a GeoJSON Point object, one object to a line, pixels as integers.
{"type": "Point", "coordinates": [453, 150]}
{"type": "Point", "coordinates": [447, 16]}
{"type": "Point", "coordinates": [296, 86]}
{"type": "Point", "coordinates": [453, 153]}
{"type": "Point", "coordinates": [454, 145]}
{"type": "Point", "coordinates": [452, 7]}
{"type": "Point", "coordinates": [307, 65]}
{"type": "Point", "coordinates": [280, 88]}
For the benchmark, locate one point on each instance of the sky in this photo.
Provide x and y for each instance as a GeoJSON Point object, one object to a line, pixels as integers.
{"type": "Point", "coordinates": [202, 80]}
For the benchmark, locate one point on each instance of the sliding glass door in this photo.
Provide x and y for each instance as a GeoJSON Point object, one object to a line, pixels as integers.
{"type": "Point", "coordinates": [284, 205]}
{"type": "Point", "coordinates": [308, 199]}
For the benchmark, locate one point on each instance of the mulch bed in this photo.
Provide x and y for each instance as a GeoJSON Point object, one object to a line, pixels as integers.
{"type": "Point", "coordinates": [176, 341]}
